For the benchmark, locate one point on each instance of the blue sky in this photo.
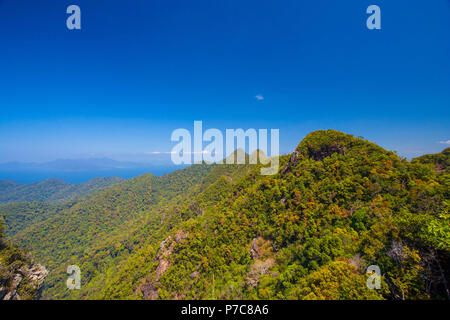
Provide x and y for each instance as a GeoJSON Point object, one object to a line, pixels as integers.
{"type": "Point", "coordinates": [140, 69]}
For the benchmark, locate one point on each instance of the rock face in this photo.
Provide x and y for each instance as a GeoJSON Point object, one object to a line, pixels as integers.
{"type": "Point", "coordinates": [21, 284]}
{"type": "Point", "coordinates": [149, 288]}
{"type": "Point", "coordinates": [20, 277]}
{"type": "Point", "coordinates": [263, 261]}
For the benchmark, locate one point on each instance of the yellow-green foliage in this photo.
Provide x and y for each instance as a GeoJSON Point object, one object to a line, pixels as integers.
{"type": "Point", "coordinates": [337, 205]}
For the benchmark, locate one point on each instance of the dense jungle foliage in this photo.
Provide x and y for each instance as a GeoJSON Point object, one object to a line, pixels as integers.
{"type": "Point", "coordinates": [51, 190]}
{"type": "Point", "coordinates": [337, 205]}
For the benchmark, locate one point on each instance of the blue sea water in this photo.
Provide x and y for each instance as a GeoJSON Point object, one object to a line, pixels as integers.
{"type": "Point", "coordinates": [27, 176]}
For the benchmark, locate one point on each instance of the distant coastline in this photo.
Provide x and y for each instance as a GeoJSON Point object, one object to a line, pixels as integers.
{"type": "Point", "coordinates": [29, 176]}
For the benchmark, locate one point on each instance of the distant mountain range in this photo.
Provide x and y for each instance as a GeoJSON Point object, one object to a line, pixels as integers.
{"type": "Point", "coordinates": [82, 170]}
{"type": "Point", "coordinates": [74, 165]}
{"type": "Point", "coordinates": [51, 190]}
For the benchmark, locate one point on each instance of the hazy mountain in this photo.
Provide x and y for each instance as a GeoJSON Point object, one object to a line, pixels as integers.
{"type": "Point", "coordinates": [8, 185]}
{"type": "Point", "coordinates": [91, 164]}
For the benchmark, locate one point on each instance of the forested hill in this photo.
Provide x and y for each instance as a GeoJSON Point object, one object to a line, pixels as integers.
{"type": "Point", "coordinates": [337, 205]}
{"type": "Point", "coordinates": [119, 221]}
{"type": "Point", "coordinates": [51, 190]}
{"type": "Point", "coordinates": [440, 161]}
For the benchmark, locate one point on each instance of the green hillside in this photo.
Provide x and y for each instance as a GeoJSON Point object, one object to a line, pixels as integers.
{"type": "Point", "coordinates": [28, 204]}
{"type": "Point", "coordinates": [51, 190]}
{"type": "Point", "coordinates": [440, 161]}
{"type": "Point", "coordinates": [337, 205]}
{"type": "Point", "coordinates": [8, 185]}
{"type": "Point", "coordinates": [21, 215]}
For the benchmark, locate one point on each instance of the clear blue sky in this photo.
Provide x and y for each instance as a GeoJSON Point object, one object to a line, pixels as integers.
{"type": "Point", "coordinates": [139, 69]}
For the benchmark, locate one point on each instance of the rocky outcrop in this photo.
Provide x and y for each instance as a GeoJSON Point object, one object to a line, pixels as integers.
{"type": "Point", "coordinates": [149, 288]}
{"type": "Point", "coordinates": [292, 163]}
{"type": "Point", "coordinates": [24, 283]}
{"type": "Point", "coordinates": [263, 261]}
{"type": "Point", "coordinates": [326, 151]}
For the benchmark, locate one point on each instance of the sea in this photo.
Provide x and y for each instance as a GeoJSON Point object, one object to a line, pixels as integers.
{"type": "Point", "coordinates": [28, 176]}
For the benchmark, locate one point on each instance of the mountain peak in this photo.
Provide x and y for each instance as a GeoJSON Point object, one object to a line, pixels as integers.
{"type": "Point", "coordinates": [238, 156]}
{"type": "Point", "coordinates": [323, 143]}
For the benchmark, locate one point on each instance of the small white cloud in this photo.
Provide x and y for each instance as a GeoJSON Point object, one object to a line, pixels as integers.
{"type": "Point", "coordinates": [158, 152]}
{"type": "Point", "coordinates": [259, 97]}
{"type": "Point", "coordinates": [445, 142]}
{"type": "Point", "coordinates": [173, 152]}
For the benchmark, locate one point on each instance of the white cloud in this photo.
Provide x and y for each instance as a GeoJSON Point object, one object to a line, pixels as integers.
{"type": "Point", "coordinates": [259, 97]}
{"type": "Point", "coordinates": [445, 142]}
{"type": "Point", "coordinates": [173, 152]}
{"type": "Point", "coordinates": [158, 152]}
